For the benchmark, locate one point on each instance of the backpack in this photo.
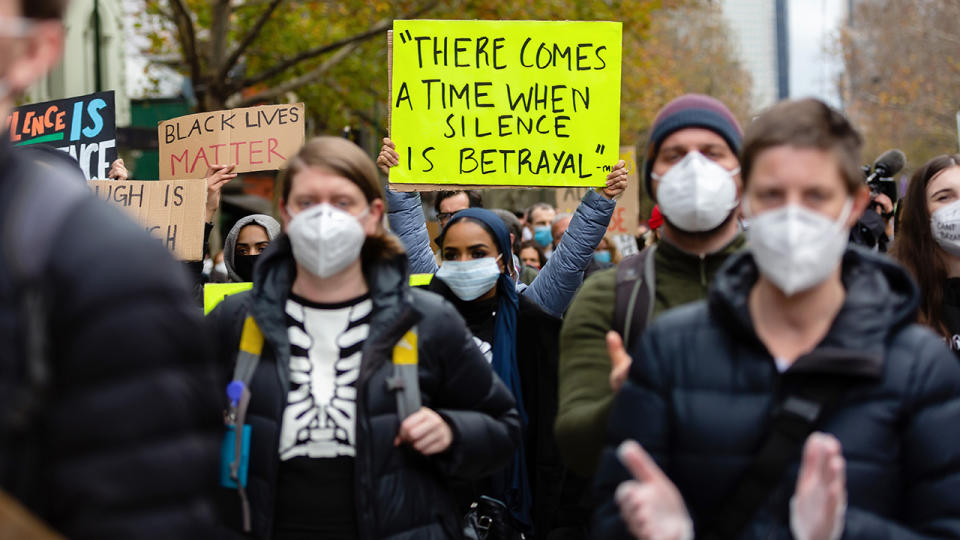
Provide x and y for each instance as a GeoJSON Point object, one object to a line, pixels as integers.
{"type": "Point", "coordinates": [634, 292]}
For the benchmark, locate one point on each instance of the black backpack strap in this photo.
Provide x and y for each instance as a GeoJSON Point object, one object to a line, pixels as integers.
{"type": "Point", "coordinates": [794, 419]}
{"type": "Point", "coordinates": [633, 295]}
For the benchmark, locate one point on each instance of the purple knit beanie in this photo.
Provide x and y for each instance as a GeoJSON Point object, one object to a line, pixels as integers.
{"type": "Point", "coordinates": [687, 111]}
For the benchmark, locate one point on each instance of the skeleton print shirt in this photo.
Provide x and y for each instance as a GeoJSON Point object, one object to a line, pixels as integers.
{"type": "Point", "coordinates": [317, 436]}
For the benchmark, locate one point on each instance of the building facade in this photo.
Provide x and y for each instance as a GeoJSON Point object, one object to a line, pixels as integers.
{"type": "Point", "coordinates": [760, 28]}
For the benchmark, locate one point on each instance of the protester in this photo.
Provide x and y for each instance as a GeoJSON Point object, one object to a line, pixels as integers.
{"type": "Point", "coordinates": [552, 289]}
{"type": "Point", "coordinates": [539, 220]}
{"type": "Point", "coordinates": [520, 341]}
{"type": "Point", "coordinates": [800, 333]}
{"type": "Point", "coordinates": [246, 241]}
{"type": "Point", "coordinates": [332, 457]}
{"type": "Point", "coordinates": [531, 254]}
{"type": "Point", "coordinates": [109, 430]}
{"type": "Point", "coordinates": [691, 169]}
{"type": "Point", "coordinates": [448, 203]}
{"type": "Point", "coordinates": [928, 243]}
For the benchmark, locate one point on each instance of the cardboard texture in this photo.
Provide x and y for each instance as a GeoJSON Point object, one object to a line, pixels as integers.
{"type": "Point", "coordinates": [85, 127]}
{"type": "Point", "coordinates": [255, 139]}
{"type": "Point", "coordinates": [171, 211]}
{"type": "Point", "coordinates": [504, 103]}
{"type": "Point", "coordinates": [627, 213]}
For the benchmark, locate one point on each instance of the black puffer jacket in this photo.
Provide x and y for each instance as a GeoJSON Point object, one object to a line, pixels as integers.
{"type": "Point", "coordinates": [702, 387]}
{"type": "Point", "coordinates": [126, 442]}
{"type": "Point", "coordinates": [400, 493]}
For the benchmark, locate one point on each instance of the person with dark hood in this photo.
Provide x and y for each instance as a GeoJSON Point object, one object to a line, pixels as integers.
{"type": "Point", "coordinates": [245, 242]}
{"type": "Point", "coordinates": [800, 399]}
{"type": "Point", "coordinates": [520, 341]}
{"type": "Point", "coordinates": [334, 455]}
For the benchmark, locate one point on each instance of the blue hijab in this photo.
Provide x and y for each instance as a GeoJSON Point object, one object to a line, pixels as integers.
{"type": "Point", "coordinates": [514, 483]}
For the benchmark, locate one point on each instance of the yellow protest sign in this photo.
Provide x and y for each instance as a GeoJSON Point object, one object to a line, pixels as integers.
{"type": "Point", "coordinates": [505, 103]}
{"type": "Point", "coordinates": [214, 293]}
{"type": "Point", "coordinates": [626, 214]}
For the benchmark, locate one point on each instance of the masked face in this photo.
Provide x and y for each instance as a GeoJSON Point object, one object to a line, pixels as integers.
{"type": "Point", "coordinates": [325, 239]}
{"type": "Point", "coordinates": [797, 248]}
{"type": "Point", "coordinates": [800, 209]}
{"type": "Point", "coordinates": [696, 194]}
{"type": "Point", "coordinates": [943, 203]}
{"type": "Point", "coordinates": [470, 279]}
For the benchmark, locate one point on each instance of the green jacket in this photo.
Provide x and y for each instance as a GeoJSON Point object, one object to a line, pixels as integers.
{"type": "Point", "coordinates": [584, 377]}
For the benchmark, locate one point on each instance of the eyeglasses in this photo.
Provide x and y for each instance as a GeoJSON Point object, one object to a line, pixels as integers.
{"type": "Point", "coordinates": [444, 217]}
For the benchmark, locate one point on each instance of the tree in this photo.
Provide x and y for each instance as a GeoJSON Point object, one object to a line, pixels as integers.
{"type": "Point", "coordinates": [332, 55]}
{"type": "Point", "coordinates": [902, 72]}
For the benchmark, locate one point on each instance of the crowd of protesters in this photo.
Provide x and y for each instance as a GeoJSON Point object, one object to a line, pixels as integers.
{"type": "Point", "coordinates": [750, 373]}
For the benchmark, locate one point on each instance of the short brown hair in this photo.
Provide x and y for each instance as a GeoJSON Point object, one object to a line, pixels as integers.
{"type": "Point", "coordinates": [805, 123]}
{"type": "Point", "coordinates": [43, 9]}
{"type": "Point", "coordinates": [344, 158]}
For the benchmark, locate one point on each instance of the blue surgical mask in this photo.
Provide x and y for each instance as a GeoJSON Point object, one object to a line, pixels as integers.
{"type": "Point", "coordinates": [602, 257]}
{"type": "Point", "coordinates": [471, 279]}
{"type": "Point", "coordinates": [542, 235]}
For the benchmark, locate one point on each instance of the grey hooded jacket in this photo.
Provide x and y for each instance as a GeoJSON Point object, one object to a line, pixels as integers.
{"type": "Point", "coordinates": [230, 244]}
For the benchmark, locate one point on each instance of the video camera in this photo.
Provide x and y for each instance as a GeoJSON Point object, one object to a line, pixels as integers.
{"type": "Point", "coordinates": [880, 177]}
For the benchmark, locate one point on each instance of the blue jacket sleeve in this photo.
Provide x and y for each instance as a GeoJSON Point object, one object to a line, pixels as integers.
{"type": "Point", "coordinates": [405, 215]}
{"type": "Point", "coordinates": [558, 281]}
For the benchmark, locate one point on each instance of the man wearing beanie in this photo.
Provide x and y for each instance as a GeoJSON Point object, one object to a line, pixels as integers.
{"type": "Point", "coordinates": [697, 140]}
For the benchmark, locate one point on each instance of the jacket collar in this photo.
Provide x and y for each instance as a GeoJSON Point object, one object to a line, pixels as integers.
{"type": "Point", "coordinates": [880, 300]}
{"type": "Point", "coordinates": [678, 261]}
{"type": "Point", "coordinates": [386, 279]}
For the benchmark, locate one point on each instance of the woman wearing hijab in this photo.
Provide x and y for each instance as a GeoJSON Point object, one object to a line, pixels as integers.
{"type": "Point", "coordinates": [245, 242]}
{"type": "Point", "coordinates": [520, 341]}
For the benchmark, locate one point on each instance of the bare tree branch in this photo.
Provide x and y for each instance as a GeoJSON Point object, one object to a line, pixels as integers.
{"type": "Point", "coordinates": [284, 65]}
{"type": "Point", "coordinates": [187, 37]}
{"type": "Point", "coordinates": [218, 31]}
{"type": "Point", "coordinates": [297, 82]}
{"type": "Point", "coordinates": [247, 39]}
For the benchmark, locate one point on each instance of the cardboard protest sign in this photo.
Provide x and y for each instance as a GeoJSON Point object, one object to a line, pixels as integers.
{"type": "Point", "coordinates": [627, 212]}
{"type": "Point", "coordinates": [172, 211]}
{"type": "Point", "coordinates": [504, 103]}
{"type": "Point", "coordinates": [214, 293]}
{"type": "Point", "coordinates": [255, 139]}
{"type": "Point", "coordinates": [84, 127]}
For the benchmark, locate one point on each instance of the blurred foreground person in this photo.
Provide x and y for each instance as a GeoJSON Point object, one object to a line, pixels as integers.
{"type": "Point", "coordinates": [800, 400]}
{"type": "Point", "coordinates": [332, 452]}
{"type": "Point", "coordinates": [928, 243]}
{"type": "Point", "coordinates": [110, 429]}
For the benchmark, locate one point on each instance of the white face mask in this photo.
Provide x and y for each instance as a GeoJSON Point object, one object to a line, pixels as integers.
{"type": "Point", "coordinates": [325, 239]}
{"type": "Point", "coordinates": [469, 280]}
{"type": "Point", "coordinates": [945, 226]}
{"type": "Point", "coordinates": [797, 248]}
{"type": "Point", "coordinates": [697, 194]}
